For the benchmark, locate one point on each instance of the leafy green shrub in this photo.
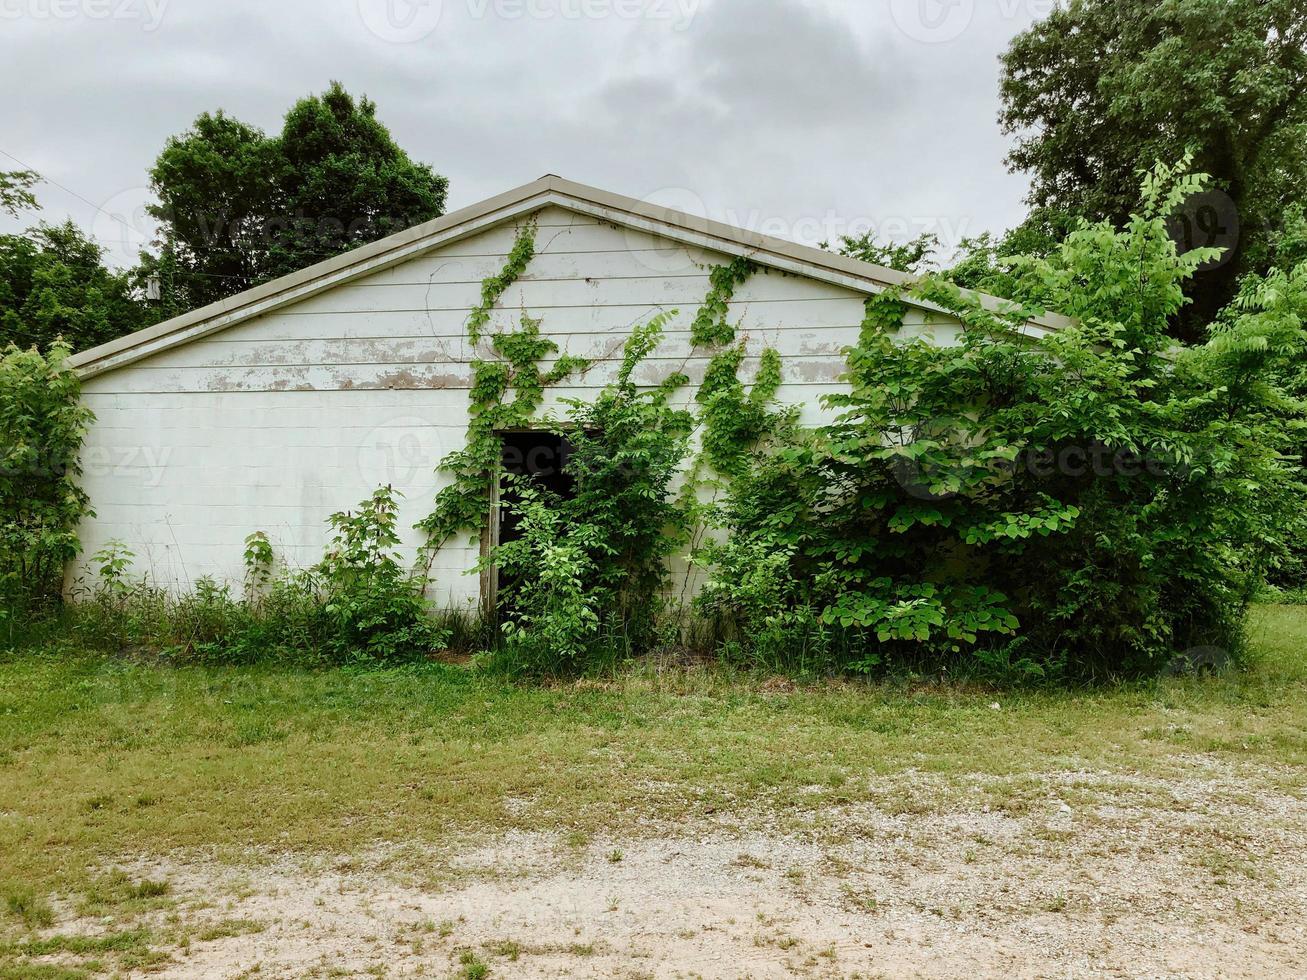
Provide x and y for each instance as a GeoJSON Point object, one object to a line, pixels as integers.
{"type": "Point", "coordinates": [1086, 503]}
{"type": "Point", "coordinates": [260, 563]}
{"type": "Point", "coordinates": [42, 424]}
{"type": "Point", "coordinates": [373, 606]}
{"type": "Point", "coordinates": [114, 610]}
{"type": "Point", "coordinates": [554, 621]}
{"type": "Point", "coordinates": [587, 577]}
{"type": "Point", "coordinates": [762, 615]}
{"type": "Point", "coordinates": [628, 448]}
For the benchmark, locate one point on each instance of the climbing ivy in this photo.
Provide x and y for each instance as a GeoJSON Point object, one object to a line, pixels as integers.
{"type": "Point", "coordinates": [711, 327]}
{"type": "Point", "coordinates": [883, 314]}
{"type": "Point", "coordinates": [508, 390]}
{"type": "Point", "coordinates": [519, 257]}
{"type": "Point", "coordinates": [587, 576]}
{"type": "Point", "coordinates": [733, 419]}
{"type": "Point", "coordinates": [516, 372]}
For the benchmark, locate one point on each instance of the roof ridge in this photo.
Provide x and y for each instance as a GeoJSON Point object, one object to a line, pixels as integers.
{"type": "Point", "coordinates": [548, 189]}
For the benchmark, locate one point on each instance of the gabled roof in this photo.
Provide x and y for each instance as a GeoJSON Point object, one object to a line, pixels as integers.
{"type": "Point", "coordinates": [548, 190]}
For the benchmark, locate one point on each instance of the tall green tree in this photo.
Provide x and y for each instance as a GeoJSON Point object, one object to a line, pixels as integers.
{"type": "Point", "coordinates": [345, 182]}
{"type": "Point", "coordinates": [218, 186]}
{"type": "Point", "coordinates": [54, 283]}
{"type": "Point", "coordinates": [237, 207]}
{"type": "Point", "coordinates": [1102, 89]}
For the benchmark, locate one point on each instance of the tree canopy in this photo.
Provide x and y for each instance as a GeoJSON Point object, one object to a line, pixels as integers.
{"type": "Point", "coordinates": [238, 207]}
{"type": "Point", "coordinates": [1103, 89]}
{"type": "Point", "coordinates": [54, 283]}
{"type": "Point", "coordinates": [217, 190]}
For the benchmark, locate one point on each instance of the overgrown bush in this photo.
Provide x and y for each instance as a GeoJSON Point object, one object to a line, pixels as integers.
{"type": "Point", "coordinates": [762, 617]}
{"type": "Point", "coordinates": [588, 574]}
{"type": "Point", "coordinates": [42, 424]}
{"type": "Point", "coordinates": [372, 605]}
{"type": "Point", "coordinates": [1086, 503]}
{"type": "Point", "coordinates": [554, 612]}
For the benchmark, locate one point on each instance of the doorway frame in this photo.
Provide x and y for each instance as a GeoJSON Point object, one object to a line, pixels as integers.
{"type": "Point", "coordinates": [490, 532]}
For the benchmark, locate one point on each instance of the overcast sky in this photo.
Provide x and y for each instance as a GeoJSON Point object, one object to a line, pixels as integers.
{"type": "Point", "coordinates": [803, 118]}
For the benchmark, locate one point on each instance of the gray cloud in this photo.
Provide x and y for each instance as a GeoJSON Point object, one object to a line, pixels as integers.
{"type": "Point", "coordinates": [802, 118]}
{"type": "Point", "coordinates": [784, 65]}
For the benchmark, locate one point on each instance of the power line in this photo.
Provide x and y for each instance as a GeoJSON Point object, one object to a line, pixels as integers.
{"type": "Point", "coordinates": [68, 190]}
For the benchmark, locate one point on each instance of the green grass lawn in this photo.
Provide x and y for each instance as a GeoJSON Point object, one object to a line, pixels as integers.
{"type": "Point", "coordinates": [101, 759]}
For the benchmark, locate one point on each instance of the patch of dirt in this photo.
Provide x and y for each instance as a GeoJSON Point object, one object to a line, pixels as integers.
{"type": "Point", "coordinates": [1075, 875]}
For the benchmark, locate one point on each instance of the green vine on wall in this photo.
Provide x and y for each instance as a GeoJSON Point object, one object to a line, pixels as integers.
{"type": "Point", "coordinates": [519, 257]}
{"type": "Point", "coordinates": [734, 420]}
{"type": "Point", "coordinates": [883, 314]}
{"type": "Point", "coordinates": [711, 326]}
{"type": "Point", "coordinates": [507, 392]}
{"type": "Point", "coordinates": [463, 505]}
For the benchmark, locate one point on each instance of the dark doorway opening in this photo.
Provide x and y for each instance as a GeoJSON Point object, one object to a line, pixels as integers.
{"type": "Point", "coordinates": [541, 456]}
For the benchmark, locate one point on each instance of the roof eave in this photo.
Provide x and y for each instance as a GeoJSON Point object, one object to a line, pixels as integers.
{"type": "Point", "coordinates": [789, 256]}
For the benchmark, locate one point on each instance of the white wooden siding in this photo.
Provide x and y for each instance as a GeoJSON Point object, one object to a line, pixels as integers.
{"type": "Point", "coordinates": [276, 423]}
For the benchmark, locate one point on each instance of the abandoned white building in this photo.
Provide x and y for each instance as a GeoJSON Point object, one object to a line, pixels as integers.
{"type": "Point", "coordinates": [277, 407]}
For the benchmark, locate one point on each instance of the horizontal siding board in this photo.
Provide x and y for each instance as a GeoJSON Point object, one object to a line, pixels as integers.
{"type": "Point", "coordinates": [424, 350]}
{"type": "Point", "coordinates": [355, 344]}
{"type": "Point", "coordinates": [556, 322]}
{"type": "Point", "coordinates": [532, 295]}
{"type": "Point", "coordinates": [344, 406]}
{"type": "Point", "coordinates": [555, 263]}
{"type": "Point", "coordinates": [797, 369]}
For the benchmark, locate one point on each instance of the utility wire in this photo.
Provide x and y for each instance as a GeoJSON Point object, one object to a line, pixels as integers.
{"type": "Point", "coordinates": [68, 190]}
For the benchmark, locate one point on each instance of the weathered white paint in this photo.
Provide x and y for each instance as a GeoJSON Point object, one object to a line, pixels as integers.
{"type": "Point", "coordinates": [275, 422]}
